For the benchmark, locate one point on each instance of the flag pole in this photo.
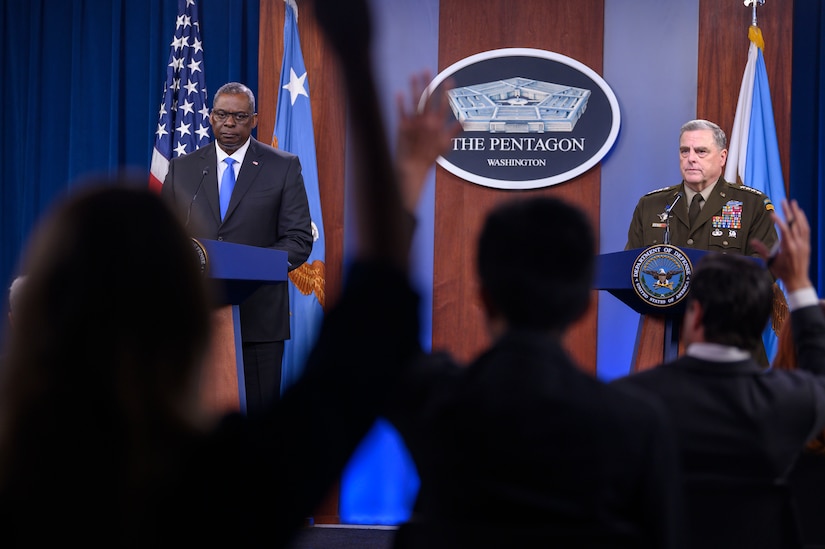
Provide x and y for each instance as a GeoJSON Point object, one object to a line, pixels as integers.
{"type": "Point", "coordinates": [754, 4]}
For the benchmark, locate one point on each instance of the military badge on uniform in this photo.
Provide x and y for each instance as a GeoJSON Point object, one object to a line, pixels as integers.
{"type": "Point", "coordinates": [662, 220]}
{"type": "Point", "coordinates": [731, 217]}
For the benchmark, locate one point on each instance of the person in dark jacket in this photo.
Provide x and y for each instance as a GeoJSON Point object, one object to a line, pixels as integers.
{"type": "Point", "coordinates": [266, 207]}
{"type": "Point", "coordinates": [522, 447]}
{"type": "Point", "coordinates": [739, 427]}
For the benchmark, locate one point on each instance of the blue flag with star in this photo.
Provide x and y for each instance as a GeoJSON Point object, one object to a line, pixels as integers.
{"type": "Point", "coordinates": [294, 133]}
{"type": "Point", "coordinates": [183, 124]}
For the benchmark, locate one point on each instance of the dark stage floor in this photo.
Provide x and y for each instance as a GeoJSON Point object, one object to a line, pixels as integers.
{"type": "Point", "coordinates": [340, 536]}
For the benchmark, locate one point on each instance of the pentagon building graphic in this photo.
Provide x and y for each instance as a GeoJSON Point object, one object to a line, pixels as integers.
{"type": "Point", "coordinates": [518, 105]}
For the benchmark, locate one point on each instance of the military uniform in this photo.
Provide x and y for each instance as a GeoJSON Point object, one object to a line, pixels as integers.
{"type": "Point", "coordinates": [732, 216]}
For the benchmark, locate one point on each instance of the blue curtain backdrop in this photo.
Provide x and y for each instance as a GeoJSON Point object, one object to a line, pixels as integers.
{"type": "Point", "coordinates": [81, 87]}
{"type": "Point", "coordinates": [807, 177]}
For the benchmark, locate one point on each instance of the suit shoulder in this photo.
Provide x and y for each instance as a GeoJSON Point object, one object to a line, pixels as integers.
{"type": "Point", "coordinates": [636, 402]}
{"type": "Point", "coordinates": [263, 148]}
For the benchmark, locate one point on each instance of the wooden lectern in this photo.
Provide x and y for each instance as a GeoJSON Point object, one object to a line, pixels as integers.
{"type": "Point", "coordinates": [235, 270]}
{"type": "Point", "coordinates": [636, 277]}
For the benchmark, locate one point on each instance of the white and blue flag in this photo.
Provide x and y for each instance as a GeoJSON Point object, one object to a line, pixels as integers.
{"type": "Point", "coordinates": [753, 151]}
{"type": "Point", "coordinates": [294, 133]}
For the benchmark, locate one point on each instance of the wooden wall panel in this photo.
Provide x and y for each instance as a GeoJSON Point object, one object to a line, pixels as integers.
{"type": "Point", "coordinates": [329, 121]}
{"type": "Point", "coordinates": [574, 29]}
{"type": "Point", "coordinates": [723, 52]}
{"type": "Point", "coordinates": [328, 117]}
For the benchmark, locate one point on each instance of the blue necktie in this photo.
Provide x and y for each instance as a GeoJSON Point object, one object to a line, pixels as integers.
{"type": "Point", "coordinates": [227, 184]}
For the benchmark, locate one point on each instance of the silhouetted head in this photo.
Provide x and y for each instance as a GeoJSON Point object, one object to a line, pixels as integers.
{"type": "Point", "coordinates": [536, 263]}
{"type": "Point", "coordinates": [114, 320]}
{"type": "Point", "coordinates": [736, 298]}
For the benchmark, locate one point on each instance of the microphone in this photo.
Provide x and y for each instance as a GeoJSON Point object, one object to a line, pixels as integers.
{"type": "Point", "coordinates": [666, 217]}
{"type": "Point", "coordinates": [675, 200]}
{"type": "Point", "coordinates": [194, 196]}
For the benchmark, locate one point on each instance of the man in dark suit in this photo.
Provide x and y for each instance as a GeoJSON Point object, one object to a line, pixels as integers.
{"type": "Point", "coordinates": [729, 215]}
{"type": "Point", "coordinates": [740, 428]}
{"type": "Point", "coordinates": [268, 207]}
{"type": "Point", "coordinates": [522, 448]}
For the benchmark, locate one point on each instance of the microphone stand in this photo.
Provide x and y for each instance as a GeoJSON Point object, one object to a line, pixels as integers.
{"type": "Point", "coordinates": [194, 196]}
{"type": "Point", "coordinates": [666, 239]}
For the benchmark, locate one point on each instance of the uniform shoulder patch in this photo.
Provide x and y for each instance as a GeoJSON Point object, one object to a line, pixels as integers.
{"type": "Point", "coordinates": [661, 190]}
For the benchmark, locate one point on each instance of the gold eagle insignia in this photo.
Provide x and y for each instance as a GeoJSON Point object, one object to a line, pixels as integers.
{"type": "Point", "coordinates": [311, 278]}
{"type": "Point", "coordinates": [662, 277]}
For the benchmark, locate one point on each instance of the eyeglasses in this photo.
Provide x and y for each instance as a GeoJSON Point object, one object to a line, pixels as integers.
{"type": "Point", "coordinates": [240, 117]}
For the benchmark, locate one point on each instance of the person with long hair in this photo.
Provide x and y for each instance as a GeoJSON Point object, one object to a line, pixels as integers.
{"type": "Point", "coordinates": [104, 439]}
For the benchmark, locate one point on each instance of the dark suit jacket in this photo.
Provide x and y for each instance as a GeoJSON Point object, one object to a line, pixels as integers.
{"type": "Point", "coordinates": [727, 201]}
{"type": "Point", "coordinates": [807, 481]}
{"type": "Point", "coordinates": [737, 422]}
{"type": "Point", "coordinates": [524, 449]}
{"type": "Point", "coordinates": [269, 208]}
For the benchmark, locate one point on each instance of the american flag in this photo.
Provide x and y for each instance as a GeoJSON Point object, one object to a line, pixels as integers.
{"type": "Point", "coordinates": [183, 123]}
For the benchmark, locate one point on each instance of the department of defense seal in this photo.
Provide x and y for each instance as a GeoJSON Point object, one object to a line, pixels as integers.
{"type": "Point", "coordinates": [201, 255]}
{"type": "Point", "coordinates": [661, 275]}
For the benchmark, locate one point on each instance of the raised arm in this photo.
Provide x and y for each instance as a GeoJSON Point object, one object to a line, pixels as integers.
{"type": "Point", "coordinates": [424, 133]}
{"type": "Point", "coordinates": [790, 263]}
{"type": "Point", "coordinates": [348, 27]}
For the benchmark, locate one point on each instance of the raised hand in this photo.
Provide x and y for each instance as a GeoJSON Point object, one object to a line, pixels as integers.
{"type": "Point", "coordinates": [424, 133]}
{"type": "Point", "coordinates": [791, 261]}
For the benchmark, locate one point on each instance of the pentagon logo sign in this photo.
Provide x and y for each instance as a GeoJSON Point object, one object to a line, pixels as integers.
{"type": "Point", "coordinates": [661, 275]}
{"type": "Point", "coordinates": [530, 118]}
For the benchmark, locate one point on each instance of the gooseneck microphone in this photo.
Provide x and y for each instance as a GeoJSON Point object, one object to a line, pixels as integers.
{"type": "Point", "coordinates": [194, 196]}
{"type": "Point", "coordinates": [669, 208]}
{"type": "Point", "coordinates": [666, 215]}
